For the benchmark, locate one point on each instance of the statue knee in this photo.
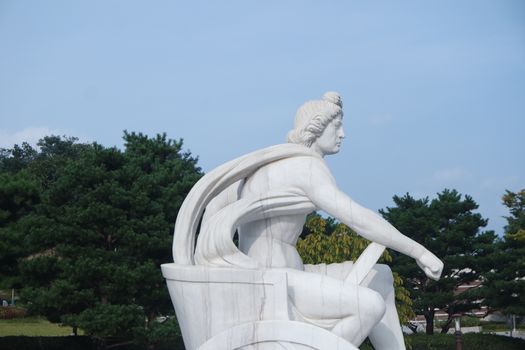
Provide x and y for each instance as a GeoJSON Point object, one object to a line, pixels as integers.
{"type": "Point", "coordinates": [385, 274]}
{"type": "Point", "coordinates": [366, 314]}
{"type": "Point", "coordinates": [372, 306]}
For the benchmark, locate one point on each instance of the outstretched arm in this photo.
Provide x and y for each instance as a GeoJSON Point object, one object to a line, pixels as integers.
{"type": "Point", "coordinates": [322, 190]}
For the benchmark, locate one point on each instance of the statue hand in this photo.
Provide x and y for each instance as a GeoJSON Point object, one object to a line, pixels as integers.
{"type": "Point", "coordinates": [431, 265]}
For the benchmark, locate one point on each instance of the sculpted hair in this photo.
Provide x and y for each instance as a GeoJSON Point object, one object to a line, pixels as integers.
{"type": "Point", "coordinates": [312, 118]}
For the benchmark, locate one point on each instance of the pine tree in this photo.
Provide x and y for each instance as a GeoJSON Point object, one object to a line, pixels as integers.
{"type": "Point", "coordinates": [504, 283]}
{"type": "Point", "coordinates": [94, 241]}
{"type": "Point", "coordinates": [448, 227]}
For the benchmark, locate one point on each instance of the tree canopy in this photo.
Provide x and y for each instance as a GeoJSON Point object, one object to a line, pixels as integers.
{"type": "Point", "coordinates": [327, 241]}
{"type": "Point", "coordinates": [87, 226]}
{"type": "Point", "coordinates": [450, 228]}
{"type": "Point", "coordinates": [504, 282]}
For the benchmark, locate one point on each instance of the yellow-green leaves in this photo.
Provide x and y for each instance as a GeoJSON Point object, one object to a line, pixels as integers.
{"type": "Point", "coordinates": [331, 242]}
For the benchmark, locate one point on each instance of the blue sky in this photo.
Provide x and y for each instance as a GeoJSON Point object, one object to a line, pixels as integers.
{"type": "Point", "coordinates": [434, 91]}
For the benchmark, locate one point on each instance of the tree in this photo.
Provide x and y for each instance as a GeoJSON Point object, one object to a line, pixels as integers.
{"type": "Point", "coordinates": [449, 227]}
{"type": "Point", "coordinates": [328, 241]}
{"type": "Point", "coordinates": [18, 197]}
{"type": "Point", "coordinates": [102, 226]}
{"type": "Point", "coordinates": [504, 283]}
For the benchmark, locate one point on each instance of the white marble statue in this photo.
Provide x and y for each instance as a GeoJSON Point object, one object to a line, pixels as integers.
{"type": "Point", "coordinates": [259, 295]}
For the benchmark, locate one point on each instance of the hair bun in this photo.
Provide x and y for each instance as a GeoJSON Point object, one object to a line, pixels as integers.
{"type": "Point", "coordinates": [334, 97]}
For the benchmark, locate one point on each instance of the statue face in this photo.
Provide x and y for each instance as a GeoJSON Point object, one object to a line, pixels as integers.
{"type": "Point", "coordinates": [330, 140]}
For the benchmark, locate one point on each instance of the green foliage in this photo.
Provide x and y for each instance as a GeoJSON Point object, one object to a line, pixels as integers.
{"type": "Point", "coordinates": [18, 197]}
{"type": "Point", "coordinates": [403, 300]}
{"type": "Point", "coordinates": [449, 227]}
{"type": "Point", "coordinates": [327, 241]}
{"type": "Point", "coordinates": [17, 158]}
{"type": "Point", "coordinates": [86, 227]}
{"type": "Point", "coordinates": [106, 319]}
{"type": "Point", "coordinates": [469, 341]}
{"type": "Point", "coordinates": [515, 201]}
{"type": "Point", "coordinates": [491, 326]}
{"type": "Point", "coordinates": [158, 333]}
{"type": "Point", "coordinates": [470, 321]}
{"type": "Point", "coordinates": [466, 321]}
{"type": "Point", "coordinates": [504, 284]}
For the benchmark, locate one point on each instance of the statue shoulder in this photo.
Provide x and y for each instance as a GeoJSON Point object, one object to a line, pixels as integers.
{"type": "Point", "coordinates": [307, 163]}
{"type": "Point", "coordinates": [303, 171]}
{"type": "Point", "coordinates": [287, 165]}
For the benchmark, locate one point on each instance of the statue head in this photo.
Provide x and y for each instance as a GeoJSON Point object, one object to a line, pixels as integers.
{"type": "Point", "coordinates": [313, 118]}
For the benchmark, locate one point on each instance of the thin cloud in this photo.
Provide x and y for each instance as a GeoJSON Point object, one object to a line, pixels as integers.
{"type": "Point", "coordinates": [29, 135]}
{"type": "Point", "coordinates": [511, 182]}
{"type": "Point", "coordinates": [380, 119]}
{"type": "Point", "coordinates": [449, 176]}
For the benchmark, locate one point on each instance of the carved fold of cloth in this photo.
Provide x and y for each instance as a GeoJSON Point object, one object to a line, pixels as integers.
{"type": "Point", "coordinates": [215, 246]}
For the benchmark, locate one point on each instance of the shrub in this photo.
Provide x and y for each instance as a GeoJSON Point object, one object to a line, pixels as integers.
{"type": "Point", "coordinates": [7, 313]}
{"type": "Point", "coordinates": [470, 321]}
{"type": "Point", "coordinates": [470, 341]}
{"type": "Point", "coordinates": [158, 333]}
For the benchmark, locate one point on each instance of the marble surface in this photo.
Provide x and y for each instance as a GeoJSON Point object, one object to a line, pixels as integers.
{"type": "Point", "coordinates": [258, 294]}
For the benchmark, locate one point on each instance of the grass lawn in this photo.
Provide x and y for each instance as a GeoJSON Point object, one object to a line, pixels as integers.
{"type": "Point", "coordinates": [32, 326]}
{"type": "Point", "coordinates": [470, 341]}
{"type": "Point", "coordinates": [493, 326]}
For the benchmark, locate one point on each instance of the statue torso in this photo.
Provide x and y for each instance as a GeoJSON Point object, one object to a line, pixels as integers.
{"type": "Point", "coordinates": [272, 241]}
